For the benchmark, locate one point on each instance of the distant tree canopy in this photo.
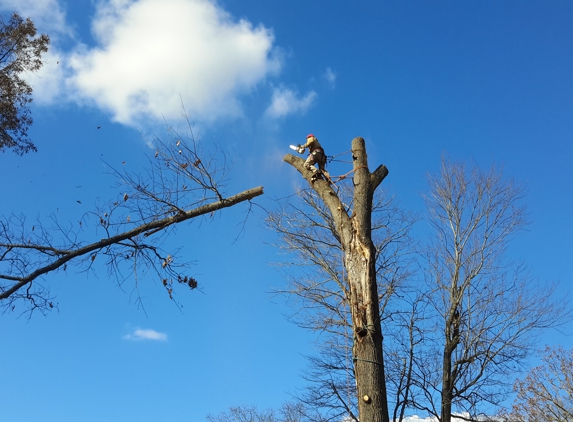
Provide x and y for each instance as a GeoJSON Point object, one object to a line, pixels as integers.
{"type": "Point", "coordinates": [546, 393]}
{"type": "Point", "coordinates": [20, 52]}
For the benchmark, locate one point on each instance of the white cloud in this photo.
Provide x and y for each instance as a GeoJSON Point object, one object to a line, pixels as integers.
{"type": "Point", "coordinates": [47, 15]}
{"type": "Point", "coordinates": [154, 53]}
{"type": "Point", "coordinates": [463, 417]}
{"type": "Point", "coordinates": [285, 101]}
{"type": "Point", "coordinates": [151, 55]}
{"type": "Point", "coordinates": [330, 76]}
{"type": "Point", "coordinates": [145, 334]}
{"type": "Point", "coordinates": [48, 82]}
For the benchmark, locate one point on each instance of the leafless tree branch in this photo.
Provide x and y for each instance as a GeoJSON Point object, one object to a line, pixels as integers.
{"type": "Point", "coordinates": [183, 182]}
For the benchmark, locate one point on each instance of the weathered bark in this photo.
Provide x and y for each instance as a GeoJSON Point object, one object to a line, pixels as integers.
{"type": "Point", "coordinates": [359, 259]}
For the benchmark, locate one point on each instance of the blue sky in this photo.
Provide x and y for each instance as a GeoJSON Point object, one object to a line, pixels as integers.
{"type": "Point", "coordinates": [486, 81]}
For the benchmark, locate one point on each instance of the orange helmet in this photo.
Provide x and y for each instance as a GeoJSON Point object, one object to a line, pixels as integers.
{"type": "Point", "coordinates": [310, 135]}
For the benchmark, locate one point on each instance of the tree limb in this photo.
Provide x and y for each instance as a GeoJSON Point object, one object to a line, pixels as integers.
{"type": "Point", "coordinates": [150, 227]}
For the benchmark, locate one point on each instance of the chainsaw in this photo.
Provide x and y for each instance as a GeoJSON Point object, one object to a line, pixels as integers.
{"type": "Point", "coordinates": [297, 148]}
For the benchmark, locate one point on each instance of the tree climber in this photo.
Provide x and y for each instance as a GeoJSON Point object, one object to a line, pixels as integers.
{"type": "Point", "coordinates": [316, 154]}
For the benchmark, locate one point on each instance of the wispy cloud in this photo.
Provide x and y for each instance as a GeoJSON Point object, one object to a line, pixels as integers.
{"type": "Point", "coordinates": [286, 101]}
{"type": "Point", "coordinates": [145, 334]}
{"type": "Point", "coordinates": [330, 77]}
{"type": "Point", "coordinates": [151, 54]}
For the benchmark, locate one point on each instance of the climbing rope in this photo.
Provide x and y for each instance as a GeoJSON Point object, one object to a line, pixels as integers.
{"type": "Point", "coordinates": [331, 158]}
{"type": "Point", "coordinates": [344, 176]}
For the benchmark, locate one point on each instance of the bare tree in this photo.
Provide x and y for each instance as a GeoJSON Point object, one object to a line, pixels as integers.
{"type": "Point", "coordinates": [403, 350]}
{"type": "Point", "coordinates": [332, 232]}
{"type": "Point", "coordinates": [546, 393]}
{"type": "Point", "coordinates": [451, 346]}
{"type": "Point", "coordinates": [319, 293]}
{"type": "Point", "coordinates": [289, 412]}
{"type": "Point", "coordinates": [20, 52]}
{"type": "Point", "coordinates": [183, 182]}
{"type": "Point", "coordinates": [486, 311]}
{"type": "Point", "coordinates": [330, 393]}
{"type": "Point", "coordinates": [244, 414]}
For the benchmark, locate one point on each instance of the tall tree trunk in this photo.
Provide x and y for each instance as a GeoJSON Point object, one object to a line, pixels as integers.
{"type": "Point", "coordinates": [447, 386]}
{"type": "Point", "coordinates": [452, 340]}
{"type": "Point", "coordinates": [359, 260]}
